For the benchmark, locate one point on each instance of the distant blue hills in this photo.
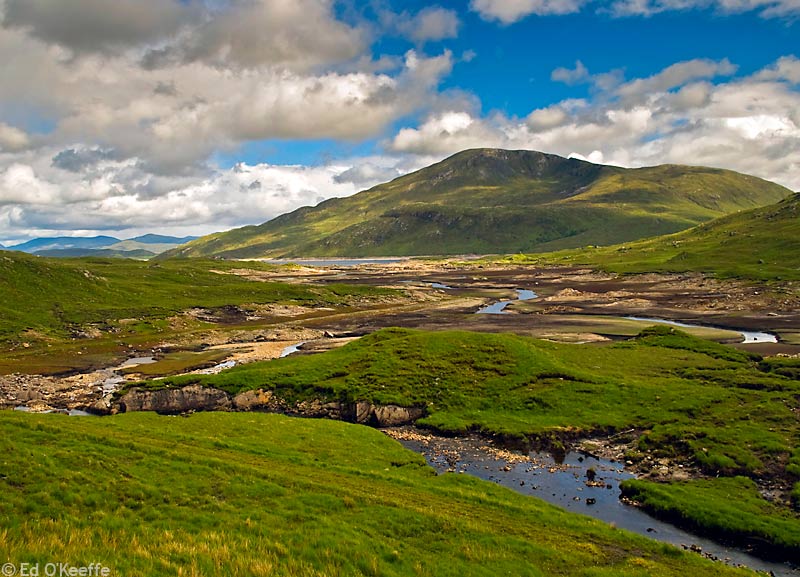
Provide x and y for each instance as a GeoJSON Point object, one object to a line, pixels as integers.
{"type": "Point", "coordinates": [143, 246]}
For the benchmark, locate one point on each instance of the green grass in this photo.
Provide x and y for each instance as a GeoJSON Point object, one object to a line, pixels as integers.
{"type": "Point", "coordinates": [730, 509]}
{"type": "Point", "coordinates": [725, 411]}
{"type": "Point", "coordinates": [51, 308]}
{"type": "Point", "coordinates": [762, 244]}
{"type": "Point", "coordinates": [254, 494]}
{"type": "Point", "coordinates": [493, 201]}
{"type": "Point", "coordinates": [721, 402]}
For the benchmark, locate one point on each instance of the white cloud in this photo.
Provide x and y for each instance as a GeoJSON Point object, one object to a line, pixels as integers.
{"type": "Point", "coordinates": [571, 76]}
{"type": "Point", "coordinates": [177, 115]}
{"type": "Point", "coordinates": [748, 124]}
{"type": "Point", "coordinates": [42, 198]}
{"type": "Point", "coordinates": [90, 25]}
{"type": "Point", "coordinates": [510, 11]}
{"type": "Point", "coordinates": [446, 132]}
{"type": "Point", "coordinates": [765, 8]}
{"type": "Point", "coordinates": [429, 24]}
{"type": "Point", "coordinates": [676, 75]}
{"type": "Point", "coordinates": [786, 68]}
{"type": "Point", "coordinates": [12, 138]}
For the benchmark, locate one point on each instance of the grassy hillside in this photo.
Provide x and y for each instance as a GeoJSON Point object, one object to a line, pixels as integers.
{"type": "Point", "coordinates": [498, 201]}
{"type": "Point", "coordinates": [762, 243]}
{"type": "Point", "coordinates": [711, 406]}
{"type": "Point", "coordinates": [255, 494]}
{"type": "Point", "coordinates": [46, 302]}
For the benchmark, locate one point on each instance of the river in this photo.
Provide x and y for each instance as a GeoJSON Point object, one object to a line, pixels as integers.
{"type": "Point", "coordinates": [563, 481]}
{"type": "Point", "coordinates": [499, 307]}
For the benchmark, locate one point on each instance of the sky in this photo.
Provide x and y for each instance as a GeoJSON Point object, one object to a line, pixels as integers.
{"type": "Point", "coordinates": [183, 117]}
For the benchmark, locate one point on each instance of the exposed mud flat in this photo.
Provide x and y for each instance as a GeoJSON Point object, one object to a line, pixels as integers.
{"type": "Point", "coordinates": [570, 304]}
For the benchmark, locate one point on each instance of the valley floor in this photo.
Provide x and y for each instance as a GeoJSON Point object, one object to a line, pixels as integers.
{"type": "Point", "coordinates": [572, 305]}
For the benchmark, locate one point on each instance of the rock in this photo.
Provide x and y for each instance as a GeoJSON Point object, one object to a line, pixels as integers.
{"type": "Point", "coordinates": [394, 415]}
{"type": "Point", "coordinates": [101, 406]}
{"type": "Point", "coordinates": [258, 400]}
{"type": "Point", "coordinates": [173, 401]}
{"type": "Point", "coordinates": [363, 412]}
{"type": "Point", "coordinates": [318, 409]}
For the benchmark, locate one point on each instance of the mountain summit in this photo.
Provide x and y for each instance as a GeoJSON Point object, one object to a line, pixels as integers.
{"type": "Point", "coordinates": [498, 201]}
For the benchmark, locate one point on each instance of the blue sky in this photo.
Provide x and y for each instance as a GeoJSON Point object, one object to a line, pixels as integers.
{"type": "Point", "coordinates": [131, 116]}
{"type": "Point", "coordinates": [512, 64]}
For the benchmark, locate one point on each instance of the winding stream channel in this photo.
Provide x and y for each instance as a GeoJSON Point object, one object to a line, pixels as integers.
{"type": "Point", "coordinates": [498, 308]}
{"type": "Point", "coordinates": [564, 482]}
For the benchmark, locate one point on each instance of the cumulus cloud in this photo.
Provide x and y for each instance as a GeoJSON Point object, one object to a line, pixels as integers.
{"type": "Point", "coordinates": [138, 95]}
{"type": "Point", "coordinates": [297, 34]}
{"type": "Point", "coordinates": [429, 24]}
{"type": "Point", "coordinates": [92, 25]}
{"type": "Point", "coordinates": [367, 174]}
{"type": "Point", "coordinates": [749, 124]}
{"type": "Point", "coordinates": [176, 116]}
{"type": "Point", "coordinates": [510, 11]}
{"type": "Point", "coordinates": [786, 68]}
{"type": "Point", "coordinates": [765, 8]}
{"type": "Point", "coordinates": [81, 159]}
{"type": "Point", "coordinates": [676, 75]}
{"type": "Point", "coordinates": [571, 76]}
{"type": "Point", "coordinates": [447, 132]}
{"type": "Point", "coordinates": [12, 139]}
{"type": "Point", "coordinates": [43, 197]}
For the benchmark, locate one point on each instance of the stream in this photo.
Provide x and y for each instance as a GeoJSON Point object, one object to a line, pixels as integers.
{"type": "Point", "coordinates": [564, 482]}
{"type": "Point", "coordinates": [498, 307]}
{"type": "Point", "coordinates": [291, 349]}
{"type": "Point", "coordinates": [748, 337]}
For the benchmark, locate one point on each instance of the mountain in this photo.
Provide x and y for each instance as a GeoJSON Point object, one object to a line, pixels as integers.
{"type": "Point", "coordinates": [64, 242]}
{"type": "Point", "coordinates": [161, 239]}
{"type": "Point", "coordinates": [140, 247]}
{"type": "Point", "coordinates": [152, 243]}
{"type": "Point", "coordinates": [498, 201]}
{"type": "Point", "coordinates": [96, 252]}
{"type": "Point", "coordinates": [762, 243]}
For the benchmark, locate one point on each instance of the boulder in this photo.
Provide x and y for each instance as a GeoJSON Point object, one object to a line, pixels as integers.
{"type": "Point", "coordinates": [174, 401]}
{"type": "Point", "coordinates": [394, 415]}
{"type": "Point", "coordinates": [258, 400]}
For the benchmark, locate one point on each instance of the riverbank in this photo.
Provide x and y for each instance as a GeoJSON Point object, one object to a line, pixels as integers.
{"type": "Point", "coordinates": [574, 480]}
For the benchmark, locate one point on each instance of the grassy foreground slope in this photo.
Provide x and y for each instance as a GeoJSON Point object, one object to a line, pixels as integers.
{"type": "Point", "coordinates": [762, 243]}
{"type": "Point", "coordinates": [498, 201]}
{"type": "Point", "coordinates": [255, 494]}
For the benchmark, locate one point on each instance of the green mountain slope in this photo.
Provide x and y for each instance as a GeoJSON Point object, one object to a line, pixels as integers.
{"type": "Point", "coordinates": [490, 201]}
{"type": "Point", "coordinates": [762, 243]}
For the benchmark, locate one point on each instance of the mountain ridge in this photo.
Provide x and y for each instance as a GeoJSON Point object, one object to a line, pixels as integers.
{"type": "Point", "coordinates": [144, 246]}
{"type": "Point", "coordinates": [497, 201]}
